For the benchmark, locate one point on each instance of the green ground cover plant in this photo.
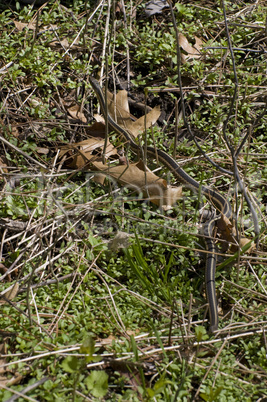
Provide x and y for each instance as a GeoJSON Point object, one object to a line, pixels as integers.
{"type": "Point", "coordinates": [102, 292]}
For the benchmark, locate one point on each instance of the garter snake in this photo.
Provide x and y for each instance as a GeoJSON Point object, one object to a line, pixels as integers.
{"type": "Point", "coordinates": [220, 203]}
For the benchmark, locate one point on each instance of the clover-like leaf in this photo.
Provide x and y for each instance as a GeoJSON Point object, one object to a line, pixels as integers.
{"type": "Point", "coordinates": [70, 364]}
{"type": "Point", "coordinates": [97, 383]}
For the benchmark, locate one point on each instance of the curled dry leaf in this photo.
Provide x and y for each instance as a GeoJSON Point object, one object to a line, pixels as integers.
{"type": "Point", "coordinates": [118, 109]}
{"type": "Point", "coordinates": [242, 243]}
{"type": "Point", "coordinates": [99, 120]}
{"type": "Point", "coordinates": [3, 270]}
{"type": "Point", "coordinates": [173, 194]}
{"type": "Point", "coordinates": [15, 131]}
{"type": "Point", "coordinates": [3, 164]}
{"type": "Point", "coordinates": [193, 52]}
{"type": "Point", "coordinates": [152, 187]}
{"type": "Point", "coordinates": [225, 227]}
{"type": "Point", "coordinates": [81, 153]}
{"type": "Point", "coordinates": [198, 44]}
{"type": "Point", "coordinates": [107, 341]}
{"type": "Point", "coordinates": [44, 151]}
{"type": "Point", "coordinates": [21, 25]}
{"type": "Point", "coordinates": [155, 7]}
{"type": "Point", "coordinates": [227, 233]}
{"type": "Point", "coordinates": [97, 129]}
{"type": "Point", "coordinates": [10, 293]}
{"type": "Point", "coordinates": [64, 44]}
{"type": "Point", "coordinates": [13, 225]}
{"type": "Point", "coordinates": [75, 113]}
{"type": "Point", "coordinates": [121, 240]}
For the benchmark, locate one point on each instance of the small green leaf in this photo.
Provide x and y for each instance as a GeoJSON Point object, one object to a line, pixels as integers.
{"type": "Point", "coordinates": [92, 240]}
{"type": "Point", "coordinates": [201, 333]}
{"type": "Point", "coordinates": [211, 395]}
{"type": "Point", "coordinates": [150, 392]}
{"type": "Point", "coordinates": [48, 385]}
{"type": "Point", "coordinates": [204, 397]}
{"type": "Point", "coordinates": [88, 346]}
{"type": "Point", "coordinates": [97, 383]}
{"type": "Point", "coordinates": [70, 364]}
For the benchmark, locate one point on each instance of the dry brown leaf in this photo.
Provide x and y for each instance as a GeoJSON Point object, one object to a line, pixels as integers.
{"type": "Point", "coordinates": [44, 151]}
{"type": "Point", "coordinates": [133, 332]}
{"type": "Point", "coordinates": [91, 144]}
{"type": "Point", "coordinates": [173, 194]}
{"type": "Point", "coordinates": [81, 153]}
{"type": "Point", "coordinates": [227, 233]}
{"type": "Point", "coordinates": [10, 224]}
{"type": "Point", "coordinates": [3, 164]}
{"type": "Point", "coordinates": [3, 351]}
{"type": "Point", "coordinates": [120, 241]}
{"type": "Point", "coordinates": [99, 119]}
{"type": "Point", "coordinates": [3, 270]}
{"type": "Point", "coordinates": [193, 51]}
{"type": "Point", "coordinates": [118, 108]}
{"type": "Point", "coordinates": [15, 131]}
{"type": "Point", "coordinates": [119, 111]}
{"type": "Point", "coordinates": [99, 178]}
{"type": "Point", "coordinates": [21, 25]}
{"type": "Point", "coordinates": [34, 102]}
{"type": "Point", "coordinates": [106, 341]}
{"type": "Point", "coordinates": [97, 129]}
{"type": "Point", "coordinates": [64, 44]}
{"type": "Point", "coordinates": [153, 187]}
{"type": "Point", "coordinates": [138, 126]}
{"type": "Point", "coordinates": [16, 379]}
{"type": "Point", "coordinates": [75, 112]}
{"type": "Point", "coordinates": [121, 101]}
{"type": "Point", "coordinates": [198, 44]}
{"type": "Point", "coordinates": [225, 227]}
{"type": "Point", "coordinates": [10, 293]}
{"type": "Point", "coordinates": [243, 242]}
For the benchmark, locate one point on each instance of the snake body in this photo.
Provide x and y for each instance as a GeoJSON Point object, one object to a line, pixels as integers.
{"type": "Point", "coordinates": [220, 203]}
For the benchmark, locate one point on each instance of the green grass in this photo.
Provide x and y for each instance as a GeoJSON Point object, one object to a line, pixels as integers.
{"type": "Point", "coordinates": [99, 320]}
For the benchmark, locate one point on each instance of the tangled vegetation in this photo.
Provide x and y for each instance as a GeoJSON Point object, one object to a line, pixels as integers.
{"type": "Point", "coordinates": [102, 289]}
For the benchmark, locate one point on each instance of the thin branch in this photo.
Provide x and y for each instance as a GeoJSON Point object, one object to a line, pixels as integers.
{"type": "Point", "coordinates": [22, 152]}
{"type": "Point", "coordinates": [178, 51]}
